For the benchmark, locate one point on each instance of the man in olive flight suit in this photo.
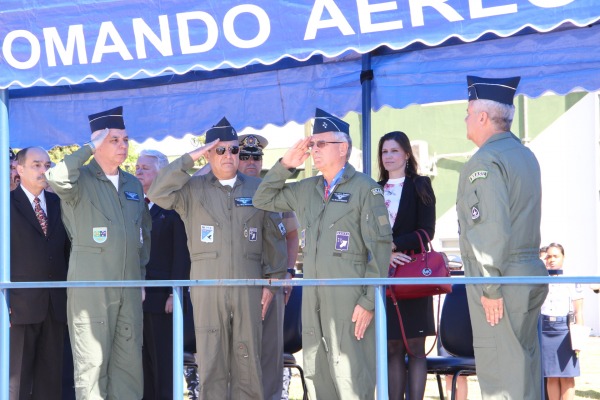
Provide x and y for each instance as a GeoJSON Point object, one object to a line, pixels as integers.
{"type": "Point", "coordinates": [499, 212]}
{"type": "Point", "coordinates": [105, 215]}
{"type": "Point", "coordinates": [228, 238]}
{"type": "Point", "coordinates": [345, 233]}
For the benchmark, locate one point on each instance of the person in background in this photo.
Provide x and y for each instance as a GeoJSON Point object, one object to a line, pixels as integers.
{"type": "Point", "coordinates": [15, 179]}
{"type": "Point", "coordinates": [109, 224]}
{"type": "Point", "coordinates": [169, 260]}
{"type": "Point", "coordinates": [271, 359]}
{"type": "Point", "coordinates": [499, 206]}
{"type": "Point", "coordinates": [410, 203]}
{"type": "Point", "coordinates": [559, 361]}
{"type": "Point", "coordinates": [39, 251]}
{"type": "Point", "coordinates": [345, 234]}
{"type": "Point", "coordinates": [228, 238]}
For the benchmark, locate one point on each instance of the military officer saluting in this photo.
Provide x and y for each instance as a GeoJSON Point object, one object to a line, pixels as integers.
{"type": "Point", "coordinates": [345, 233]}
{"type": "Point", "coordinates": [499, 212]}
{"type": "Point", "coordinates": [228, 238]}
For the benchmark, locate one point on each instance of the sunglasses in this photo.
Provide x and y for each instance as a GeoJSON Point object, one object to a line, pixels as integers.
{"type": "Point", "coordinates": [246, 157]}
{"type": "Point", "coordinates": [320, 144]}
{"type": "Point", "coordinates": [221, 150]}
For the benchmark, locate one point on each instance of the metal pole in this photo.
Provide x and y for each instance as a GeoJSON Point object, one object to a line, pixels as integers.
{"type": "Point", "coordinates": [4, 246]}
{"type": "Point", "coordinates": [381, 343]}
{"type": "Point", "coordinates": [366, 76]}
{"type": "Point", "coordinates": [177, 343]}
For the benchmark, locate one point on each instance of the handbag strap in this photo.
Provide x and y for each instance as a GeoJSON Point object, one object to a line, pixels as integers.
{"type": "Point", "coordinates": [404, 334]}
{"type": "Point", "coordinates": [428, 239]}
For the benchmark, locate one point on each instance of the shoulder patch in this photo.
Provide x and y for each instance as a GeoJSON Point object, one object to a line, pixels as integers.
{"type": "Point", "coordinates": [376, 191]}
{"type": "Point", "coordinates": [477, 174]}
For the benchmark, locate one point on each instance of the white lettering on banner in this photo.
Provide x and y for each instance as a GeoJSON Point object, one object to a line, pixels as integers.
{"type": "Point", "coordinates": [550, 3]}
{"type": "Point", "coordinates": [74, 37]}
{"type": "Point", "coordinates": [141, 30]}
{"type": "Point", "coordinates": [212, 32]}
{"type": "Point", "coordinates": [34, 43]}
{"type": "Point", "coordinates": [364, 16]}
{"type": "Point", "coordinates": [477, 10]}
{"type": "Point", "coordinates": [416, 11]}
{"type": "Point", "coordinates": [108, 29]}
{"type": "Point", "coordinates": [264, 26]}
{"type": "Point", "coordinates": [337, 19]}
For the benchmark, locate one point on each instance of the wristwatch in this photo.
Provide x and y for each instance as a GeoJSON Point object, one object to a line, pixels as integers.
{"type": "Point", "coordinates": [292, 272]}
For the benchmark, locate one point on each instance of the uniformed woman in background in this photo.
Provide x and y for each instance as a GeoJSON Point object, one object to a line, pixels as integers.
{"type": "Point", "coordinates": [410, 201]}
{"type": "Point", "coordinates": [559, 362]}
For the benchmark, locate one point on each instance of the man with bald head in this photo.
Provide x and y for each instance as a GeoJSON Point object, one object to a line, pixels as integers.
{"type": "Point", "coordinates": [228, 239]}
{"type": "Point", "coordinates": [109, 223]}
{"type": "Point", "coordinates": [38, 316]}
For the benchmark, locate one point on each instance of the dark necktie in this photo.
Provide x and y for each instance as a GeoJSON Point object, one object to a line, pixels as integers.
{"type": "Point", "coordinates": [41, 215]}
{"type": "Point", "coordinates": [147, 200]}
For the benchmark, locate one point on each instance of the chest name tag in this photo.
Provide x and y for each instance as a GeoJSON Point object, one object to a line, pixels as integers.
{"type": "Point", "coordinates": [100, 234]}
{"type": "Point", "coordinates": [132, 196]}
{"type": "Point", "coordinates": [243, 201]}
{"type": "Point", "coordinates": [207, 233]}
{"type": "Point", "coordinates": [477, 174]}
{"type": "Point", "coordinates": [338, 197]}
{"type": "Point", "coordinates": [252, 234]}
{"type": "Point", "coordinates": [342, 241]}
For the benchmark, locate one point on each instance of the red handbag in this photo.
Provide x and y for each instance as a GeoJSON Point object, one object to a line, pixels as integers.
{"type": "Point", "coordinates": [427, 264]}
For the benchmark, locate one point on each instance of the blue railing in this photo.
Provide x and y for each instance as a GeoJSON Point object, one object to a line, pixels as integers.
{"type": "Point", "coordinates": [380, 320]}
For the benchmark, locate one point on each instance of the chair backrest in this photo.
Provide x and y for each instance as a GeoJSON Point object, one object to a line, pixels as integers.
{"type": "Point", "coordinates": [456, 334]}
{"type": "Point", "coordinates": [292, 323]}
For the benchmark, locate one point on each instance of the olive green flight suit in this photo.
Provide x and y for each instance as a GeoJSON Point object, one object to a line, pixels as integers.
{"type": "Point", "coordinates": [499, 212]}
{"type": "Point", "coordinates": [228, 238]}
{"type": "Point", "coordinates": [110, 236]}
{"type": "Point", "coordinates": [346, 236]}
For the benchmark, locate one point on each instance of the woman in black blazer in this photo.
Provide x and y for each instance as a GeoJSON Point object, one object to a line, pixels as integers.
{"type": "Point", "coordinates": [411, 206]}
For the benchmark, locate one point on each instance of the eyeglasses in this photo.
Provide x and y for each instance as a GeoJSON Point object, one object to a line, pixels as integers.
{"type": "Point", "coordinates": [221, 150]}
{"type": "Point", "coordinates": [320, 143]}
{"type": "Point", "coordinates": [246, 157]}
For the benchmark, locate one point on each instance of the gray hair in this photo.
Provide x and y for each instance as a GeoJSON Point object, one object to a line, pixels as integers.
{"type": "Point", "coordinates": [161, 159]}
{"type": "Point", "coordinates": [500, 114]}
{"type": "Point", "coordinates": [342, 137]}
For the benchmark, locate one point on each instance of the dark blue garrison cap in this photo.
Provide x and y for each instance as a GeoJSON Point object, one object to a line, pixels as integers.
{"type": "Point", "coordinates": [223, 131]}
{"type": "Point", "coordinates": [325, 122]}
{"type": "Point", "coordinates": [501, 90]}
{"type": "Point", "coordinates": [111, 119]}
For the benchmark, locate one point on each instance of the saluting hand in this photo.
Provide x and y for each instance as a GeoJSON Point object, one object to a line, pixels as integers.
{"type": "Point", "coordinates": [494, 309]}
{"type": "Point", "coordinates": [297, 154]}
{"type": "Point", "coordinates": [98, 137]}
{"type": "Point", "coordinates": [362, 319]}
{"type": "Point", "coordinates": [200, 151]}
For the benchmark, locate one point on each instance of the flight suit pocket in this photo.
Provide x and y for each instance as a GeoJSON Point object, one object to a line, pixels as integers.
{"type": "Point", "coordinates": [89, 340]}
{"type": "Point", "coordinates": [208, 340]}
{"type": "Point", "coordinates": [486, 353]}
{"type": "Point", "coordinates": [342, 350]}
{"type": "Point", "coordinates": [310, 347]}
{"type": "Point", "coordinates": [473, 208]}
{"type": "Point", "coordinates": [125, 331]}
{"type": "Point", "coordinates": [243, 361]}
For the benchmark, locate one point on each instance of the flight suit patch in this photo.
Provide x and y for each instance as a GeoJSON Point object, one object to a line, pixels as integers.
{"type": "Point", "coordinates": [338, 197]}
{"type": "Point", "coordinates": [252, 234]}
{"type": "Point", "coordinates": [282, 229]}
{"type": "Point", "coordinates": [342, 240]}
{"type": "Point", "coordinates": [377, 191]}
{"type": "Point", "coordinates": [207, 233]}
{"type": "Point", "coordinates": [243, 201]}
{"type": "Point", "coordinates": [475, 214]}
{"type": "Point", "coordinates": [477, 174]}
{"type": "Point", "coordinates": [133, 196]}
{"type": "Point", "coordinates": [100, 234]}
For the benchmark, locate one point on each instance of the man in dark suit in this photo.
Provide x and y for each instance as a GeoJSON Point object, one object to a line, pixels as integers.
{"type": "Point", "coordinates": [39, 250]}
{"type": "Point", "coordinates": [169, 259]}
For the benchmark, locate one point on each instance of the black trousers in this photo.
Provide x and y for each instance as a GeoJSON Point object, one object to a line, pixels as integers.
{"type": "Point", "coordinates": [36, 360]}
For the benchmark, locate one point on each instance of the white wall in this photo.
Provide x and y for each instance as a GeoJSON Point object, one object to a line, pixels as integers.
{"type": "Point", "coordinates": [569, 159]}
